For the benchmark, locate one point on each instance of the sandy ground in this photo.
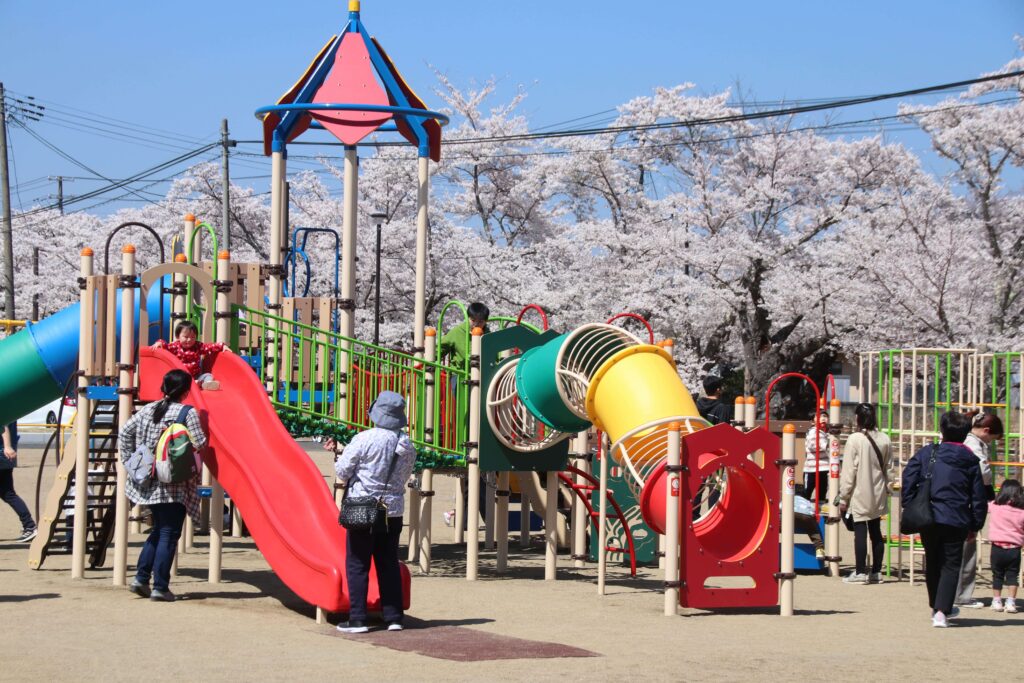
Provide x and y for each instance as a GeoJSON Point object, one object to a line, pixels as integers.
{"type": "Point", "coordinates": [251, 627]}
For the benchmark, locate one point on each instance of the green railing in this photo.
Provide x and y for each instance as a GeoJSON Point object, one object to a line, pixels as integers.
{"type": "Point", "coordinates": [331, 379]}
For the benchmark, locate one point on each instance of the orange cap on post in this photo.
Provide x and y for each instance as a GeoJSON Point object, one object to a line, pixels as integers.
{"type": "Point", "coordinates": [430, 332]}
{"type": "Point", "coordinates": [181, 258]}
{"type": "Point", "coordinates": [478, 331]}
{"type": "Point", "coordinates": [191, 218]}
{"type": "Point", "coordinates": [751, 400]}
{"type": "Point", "coordinates": [128, 249]}
{"type": "Point", "coordinates": [835, 402]}
{"type": "Point", "coordinates": [224, 255]}
{"type": "Point", "coordinates": [789, 428]}
{"type": "Point", "coordinates": [87, 251]}
{"type": "Point", "coordinates": [675, 426]}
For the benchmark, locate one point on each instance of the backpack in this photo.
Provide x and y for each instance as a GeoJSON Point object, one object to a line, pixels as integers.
{"type": "Point", "coordinates": [175, 457]}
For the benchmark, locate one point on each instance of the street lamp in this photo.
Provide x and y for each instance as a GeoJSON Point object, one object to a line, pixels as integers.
{"type": "Point", "coordinates": [378, 218]}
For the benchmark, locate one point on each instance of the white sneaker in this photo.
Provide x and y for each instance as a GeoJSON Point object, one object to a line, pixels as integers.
{"type": "Point", "coordinates": [973, 604]}
{"type": "Point", "coordinates": [939, 620]}
{"type": "Point", "coordinates": [449, 517]}
{"type": "Point", "coordinates": [854, 577]}
{"type": "Point", "coordinates": [875, 577]}
{"type": "Point", "coordinates": [1010, 607]}
{"type": "Point", "coordinates": [395, 626]}
{"type": "Point", "coordinates": [997, 605]}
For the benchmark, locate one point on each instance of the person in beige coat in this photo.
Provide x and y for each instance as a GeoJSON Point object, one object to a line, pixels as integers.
{"type": "Point", "coordinates": [864, 491]}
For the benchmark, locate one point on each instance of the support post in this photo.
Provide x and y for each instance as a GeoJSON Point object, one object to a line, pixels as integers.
{"type": "Point", "coordinates": [427, 482]}
{"type": "Point", "coordinates": [125, 406]}
{"type": "Point", "coordinates": [422, 197]}
{"type": "Point", "coordinates": [278, 201]}
{"type": "Point", "coordinates": [749, 414]}
{"type": "Point", "coordinates": [580, 518]}
{"type": "Point", "coordinates": [85, 353]}
{"type": "Point", "coordinates": [414, 525]}
{"type": "Point", "coordinates": [225, 180]}
{"type": "Point", "coordinates": [524, 519]}
{"type": "Point", "coordinates": [671, 536]}
{"type": "Point", "coordinates": [602, 519]}
{"type": "Point", "coordinates": [489, 505]}
{"type": "Point", "coordinates": [551, 527]}
{"type": "Point", "coordinates": [788, 466]}
{"type": "Point", "coordinates": [473, 460]}
{"type": "Point", "coordinates": [501, 527]}
{"type": "Point", "coordinates": [832, 525]}
{"type": "Point", "coordinates": [217, 492]}
{"type": "Point", "coordinates": [460, 512]}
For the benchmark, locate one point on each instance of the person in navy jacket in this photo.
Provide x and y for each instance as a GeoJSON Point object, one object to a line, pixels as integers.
{"type": "Point", "coordinates": [959, 506]}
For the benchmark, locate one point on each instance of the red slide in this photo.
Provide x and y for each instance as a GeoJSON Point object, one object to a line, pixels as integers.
{"type": "Point", "coordinates": [284, 500]}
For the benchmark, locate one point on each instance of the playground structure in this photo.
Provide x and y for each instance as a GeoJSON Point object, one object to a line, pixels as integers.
{"type": "Point", "coordinates": [913, 387]}
{"type": "Point", "coordinates": [299, 371]}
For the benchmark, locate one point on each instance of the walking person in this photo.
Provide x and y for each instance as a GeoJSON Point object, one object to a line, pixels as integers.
{"type": "Point", "coordinates": [864, 491]}
{"type": "Point", "coordinates": [985, 429]}
{"type": "Point", "coordinates": [377, 462]}
{"type": "Point", "coordinates": [169, 503]}
{"type": "Point", "coordinates": [8, 460]}
{"type": "Point", "coordinates": [958, 506]}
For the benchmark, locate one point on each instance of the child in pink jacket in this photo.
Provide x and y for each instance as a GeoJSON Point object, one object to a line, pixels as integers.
{"type": "Point", "coordinates": [1006, 533]}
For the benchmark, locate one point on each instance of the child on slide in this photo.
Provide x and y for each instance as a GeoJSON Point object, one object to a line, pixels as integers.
{"type": "Point", "coordinates": [191, 352]}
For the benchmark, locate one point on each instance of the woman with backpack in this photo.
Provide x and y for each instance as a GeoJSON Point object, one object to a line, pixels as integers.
{"type": "Point", "coordinates": [864, 490]}
{"type": "Point", "coordinates": [168, 502]}
{"type": "Point", "coordinates": [958, 506]}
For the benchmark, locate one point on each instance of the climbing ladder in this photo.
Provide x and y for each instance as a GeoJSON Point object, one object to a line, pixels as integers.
{"type": "Point", "coordinates": [583, 491]}
{"type": "Point", "coordinates": [56, 523]}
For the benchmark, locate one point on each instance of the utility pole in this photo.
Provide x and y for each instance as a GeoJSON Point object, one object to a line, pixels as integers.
{"type": "Point", "coordinates": [5, 188]}
{"type": "Point", "coordinates": [60, 191]}
{"type": "Point", "coordinates": [35, 274]}
{"type": "Point", "coordinates": [225, 178]}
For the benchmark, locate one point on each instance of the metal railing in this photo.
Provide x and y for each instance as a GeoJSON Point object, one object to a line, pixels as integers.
{"type": "Point", "coordinates": [319, 373]}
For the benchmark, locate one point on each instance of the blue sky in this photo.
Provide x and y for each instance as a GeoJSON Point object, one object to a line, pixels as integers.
{"type": "Point", "coordinates": [181, 67]}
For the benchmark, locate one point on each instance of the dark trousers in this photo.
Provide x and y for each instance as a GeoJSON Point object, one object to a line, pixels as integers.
{"type": "Point", "coordinates": [861, 531]}
{"type": "Point", "coordinates": [816, 481]}
{"type": "Point", "coordinates": [943, 552]}
{"type": "Point", "coordinates": [14, 500]}
{"type": "Point", "coordinates": [383, 548]}
{"type": "Point", "coordinates": [1005, 567]}
{"type": "Point", "coordinates": [158, 552]}
{"type": "Point", "coordinates": [807, 524]}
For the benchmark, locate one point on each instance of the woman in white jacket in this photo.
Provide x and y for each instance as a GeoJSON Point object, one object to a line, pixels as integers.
{"type": "Point", "coordinates": [864, 490]}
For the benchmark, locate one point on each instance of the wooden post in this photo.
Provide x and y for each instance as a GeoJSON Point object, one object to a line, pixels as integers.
{"type": "Point", "coordinates": [460, 512]}
{"type": "Point", "coordinates": [750, 414]}
{"type": "Point", "coordinates": [414, 524]}
{"type": "Point", "coordinates": [551, 527]}
{"type": "Point", "coordinates": [580, 518]}
{"type": "Point", "coordinates": [217, 492]}
{"type": "Point", "coordinates": [672, 521]}
{"type": "Point", "coordinates": [602, 527]}
{"type": "Point", "coordinates": [524, 519]}
{"type": "Point", "coordinates": [489, 505]}
{"type": "Point", "coordinates": [501, 528]}
{"type": "Point", "coordinates": [125, 406]}
{"type": "Point", "coordinates": [788, 467]}
{"type": "Point", "coordinates": [832, 526]}
{"type": "Point", "coordinates": [427, 480]}
{"type": "Point", "coordinates": [422, 226]}
{"type": "Point", "coordinates": [85, 353]}
{"type": "Point", "coordinates": [473, 461]}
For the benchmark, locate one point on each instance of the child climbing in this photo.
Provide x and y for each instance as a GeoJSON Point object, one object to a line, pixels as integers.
{"type": "Point", "coordinates": [191, 352]}
{"type": "Point", "coordinates": [1006, 533]}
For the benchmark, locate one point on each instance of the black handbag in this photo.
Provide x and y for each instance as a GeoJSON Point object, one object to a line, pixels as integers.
{"type": "Point", "coordinates": [917, 515]}
{"type": "Point", "coordinates": [367, 513]}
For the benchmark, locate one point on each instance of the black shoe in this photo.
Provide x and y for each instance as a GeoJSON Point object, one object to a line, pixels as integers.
{"type": "Point", "coordinates": [161, 596]}
{"type": "Point", "coordinates": [139, 588]}
{"type": "Point", "coordinates": [353, 626]}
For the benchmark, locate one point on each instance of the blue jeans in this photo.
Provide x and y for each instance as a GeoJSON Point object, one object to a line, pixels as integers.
{"type": "Point", "coordinates": [383, 548]}
{"type": "Point", "coordinates": [158, 552]}
{"type": "Point", "coordinates": [9, 496]}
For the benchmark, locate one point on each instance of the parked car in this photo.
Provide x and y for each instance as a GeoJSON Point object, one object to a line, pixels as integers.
{"type": "Point", "coordinates": [47, 415]}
